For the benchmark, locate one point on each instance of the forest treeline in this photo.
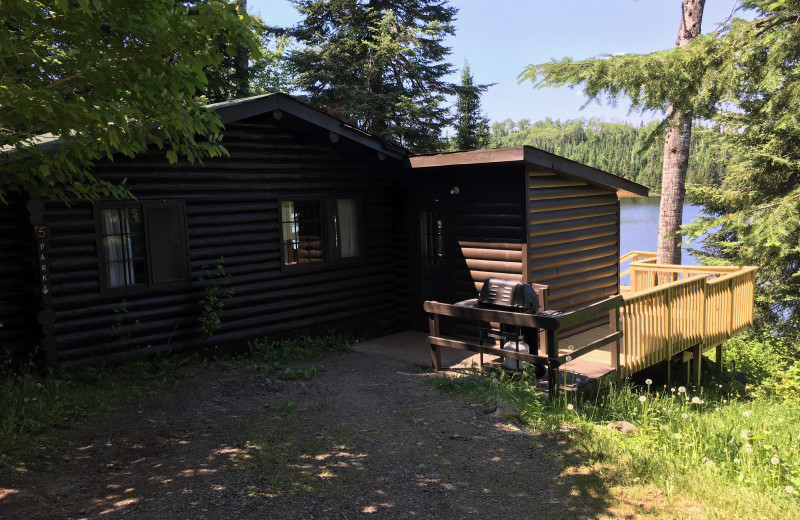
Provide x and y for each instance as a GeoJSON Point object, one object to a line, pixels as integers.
{"type": "Point", "coordinates": [632, 152]}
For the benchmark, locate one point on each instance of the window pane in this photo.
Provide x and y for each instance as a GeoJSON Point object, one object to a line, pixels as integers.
{"type": "Point", "coordinates": [301, 226]}
{"type": "Point", "coordinates": [431, 232]}
{"type": "Point", "coordinates": [346, 225]}
{"type": "Point", "coordinates": [123, 251]}
{"type": "Point", "coordinates": [166, 240]}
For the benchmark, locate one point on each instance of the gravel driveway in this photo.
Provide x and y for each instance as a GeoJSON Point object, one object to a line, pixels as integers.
{"type": "Point", "coordinates": [364, 437]}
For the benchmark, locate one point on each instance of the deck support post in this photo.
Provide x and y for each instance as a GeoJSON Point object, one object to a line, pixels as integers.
{"type": "Point", "coordinates": [669, 371]}
{"type": "Point", "coordinates": [697, 354]}
{"type": "Point", "coordinates": [552, 365]}
{"type": "Point", "coordinates": [719, 359]}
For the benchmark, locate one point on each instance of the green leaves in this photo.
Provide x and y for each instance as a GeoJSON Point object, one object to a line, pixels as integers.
{"type": "Point", "coordinates": [103, 77]}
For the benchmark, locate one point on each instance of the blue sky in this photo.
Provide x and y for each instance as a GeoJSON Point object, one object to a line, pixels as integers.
{"type": "Point", "coordinates": [500, 37]}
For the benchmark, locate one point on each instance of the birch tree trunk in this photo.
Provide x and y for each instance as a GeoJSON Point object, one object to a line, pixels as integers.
{"type": "Point", "coordinates": [676, 151]}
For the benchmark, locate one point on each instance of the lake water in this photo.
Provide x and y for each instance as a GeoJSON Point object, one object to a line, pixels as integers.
{"type": "Point", "coordinates": [639, 225]}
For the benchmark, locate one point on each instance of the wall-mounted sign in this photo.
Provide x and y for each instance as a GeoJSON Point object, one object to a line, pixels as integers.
{"type": "Point", "coordinates": [43, 262]}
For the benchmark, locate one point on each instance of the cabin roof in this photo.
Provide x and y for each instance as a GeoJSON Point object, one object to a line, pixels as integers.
{"type": "Point", "coordinates": [282, 104]}
{"type": "Point", "coordinates": [530, 156]}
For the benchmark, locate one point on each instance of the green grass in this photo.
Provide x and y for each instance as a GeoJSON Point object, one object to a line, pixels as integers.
{"type": "Point", "coordinates": [35, 406]}
{"type": "Point", "coordinates": [736, 454]}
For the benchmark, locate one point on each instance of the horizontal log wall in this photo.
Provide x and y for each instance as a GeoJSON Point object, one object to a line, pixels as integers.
{"type": "Point", "coordinates": [17, 282]}
{"type": "Point", "coordinates": [232, 207]}
{"type": "Point", "coordinates": [484, 224]}
{"type": "Point", "coordinates": [573, 239]}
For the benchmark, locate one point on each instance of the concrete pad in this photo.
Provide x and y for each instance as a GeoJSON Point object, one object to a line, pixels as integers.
{"type": "Point", "coordinates": [413, 346]}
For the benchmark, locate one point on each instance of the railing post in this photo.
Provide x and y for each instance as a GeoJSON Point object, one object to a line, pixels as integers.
{"type": "Point", "coordinates": [613, 319]}
{"type": "Point", "coordinates": [730, 299]}
{"type": "Point", "coordinates": [668, 315]}
{"type": "Point", "coordinates": [436, 352]}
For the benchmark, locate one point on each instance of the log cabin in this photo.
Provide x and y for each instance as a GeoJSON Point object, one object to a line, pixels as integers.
{"type": "Point", "coordinates": [320, 226]}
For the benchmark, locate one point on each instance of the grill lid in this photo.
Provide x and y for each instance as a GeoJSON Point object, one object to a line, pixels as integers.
{"type": "Point", "coordinates": [512, 295]}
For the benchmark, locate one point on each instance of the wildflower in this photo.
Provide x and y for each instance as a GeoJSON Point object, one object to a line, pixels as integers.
{"type": "Point", "coordinates": [717, 409]}
{"type": "Point", "coordinates": [648, 382]}
{"type": "Point", "coordinates": [642, 398]}
{"type": "Point", "coordinates": [775, 460]}
{"type": "Point", "coordinates": [38, 385]}
{"type": "Point", "coordinates": [780, 419]}
{"type": "Point", "coordinates": [685, 416]}
{"type": "Point", "coordinates": [696, 400]}
{"type": "Point", "coordinates": [672, 389]}
{"type": "Point", "coordinates": [736, 460]}
{"type": "Point", "coordinates": [748, 448]}
{"type": "Point", "coordinates": [570, 407]}
{"type": "Point", "coordinates": [789, 489]}
{"type": "Point", "coordinates": [720, 386]}
{"type": "Point", "coordinates": [724, 401]}
{"type": "Point", "coordinates": [681, 389]}
{"type": "Point", "coordinates": [568, 358]}
{"type": "Point", "coordinates": [747, 413]}
{"type": "Point", "coordinates": [745, 434]}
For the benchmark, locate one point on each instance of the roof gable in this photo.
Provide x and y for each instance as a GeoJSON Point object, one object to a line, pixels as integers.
{"type": "Point", "coordinates": [282, 105]}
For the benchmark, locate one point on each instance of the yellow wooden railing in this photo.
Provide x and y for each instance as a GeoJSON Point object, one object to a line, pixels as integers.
{"type": "Point", "coordinates": [634, 256]}
{"type": "Point", "coordinates": [672, 308]}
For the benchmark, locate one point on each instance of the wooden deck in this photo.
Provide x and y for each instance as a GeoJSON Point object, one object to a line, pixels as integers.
{"type": "Point", "coordinates": [668, 311]}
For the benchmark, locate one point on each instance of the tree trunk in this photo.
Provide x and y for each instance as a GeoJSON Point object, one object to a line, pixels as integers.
{"type": "Point", "coordinates": [676, 151]}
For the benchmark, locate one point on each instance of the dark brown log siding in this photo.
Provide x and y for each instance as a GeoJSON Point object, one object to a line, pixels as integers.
{"type": "Point", "coordinates": [17, 281]}
{"type": "Point", "coordinates": [232, 212]}
{"type": "Point", "coordinates": [484, 224]}
{"type": "Point", "coordinates": [574, 239]}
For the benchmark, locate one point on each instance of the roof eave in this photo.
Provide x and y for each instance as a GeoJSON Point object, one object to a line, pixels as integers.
{"type": "Point", "coordinates": [531, 156]}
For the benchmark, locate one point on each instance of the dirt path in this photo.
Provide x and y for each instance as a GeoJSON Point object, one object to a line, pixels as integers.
{"type": "Point", "coordinates": [364, 438]}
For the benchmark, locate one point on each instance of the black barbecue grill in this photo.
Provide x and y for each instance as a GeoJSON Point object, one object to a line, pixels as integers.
{"type": "Point", "coordinates": [511, 296]}
{"type": "Point", "coordinates": [508, 295]}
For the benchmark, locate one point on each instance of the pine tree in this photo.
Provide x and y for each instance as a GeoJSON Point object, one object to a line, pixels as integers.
{"type": "Point", "coordinates": [754, 217]}
{"type": "Point", "coordinates": [379, 64]}
{"type": "Point", "coordinates": [471, 125]}
{"type": "Point", "coordinates": [668, 81]}
{"type": "Point", "coordinates": [744, 77]}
